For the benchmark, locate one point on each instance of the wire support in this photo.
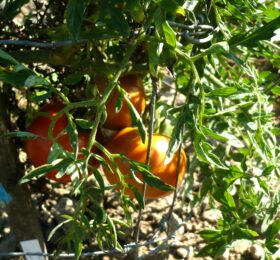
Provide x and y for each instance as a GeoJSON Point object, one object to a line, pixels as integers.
{"type": "Point", "coordinates": [126, 248]}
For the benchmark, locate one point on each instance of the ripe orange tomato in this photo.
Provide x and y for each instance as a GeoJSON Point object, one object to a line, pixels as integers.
{"type": "Point", "coordinates": [44, 118]}
{"type": "Point", "coordinates": [128, 143]}
{"type": "Point", "coordinates": [134, 87]}
{"type": "Point", "coordinates": [38, 149]}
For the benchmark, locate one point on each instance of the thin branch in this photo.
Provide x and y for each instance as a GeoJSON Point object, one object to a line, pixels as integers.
{"type": "Point", "coordinates": [176, 185]}
{"type": "Point", "coordinates": [47, 45]}
{"type": "Point", "coordinates": [42, 44]}
{"type": "Point", "coordinates": [229, 110]}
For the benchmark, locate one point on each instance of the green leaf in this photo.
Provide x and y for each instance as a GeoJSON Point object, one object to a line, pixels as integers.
{"type": "Point", "coordinates": [136, 10]}
{"type": "Point", "coordinates": [210, 234]}
{"type": "Point", "coordinates": [176, 138]}
{"type": "Point", "coordinates": [172, 6]}
{"type": "Point", "coordinates": [231, 175]}
{"type": "Point", "coordinates": [43, 169]}
{"type": "Point", "coordinates": [113, 233]}
{"type": "Point", "coordinates": [7, 59]}
{"type": "Point", "coordinates": [205, 154]}
{"type": "Point", "coordinates": [73, 79]}
{"type": "Point", "coordinates": [78, 245]}
{"type": "Point", "coordinates": [209, 133]}
{"type": "Point", "coordinates": [136, 118]}
{"type": "Point", "coordinates": [264, 185]}
{"type": "Point", "coordinates": [41, 96]}
{"type": "Point", "coordinates": [154, 57]}
{"type": "Point", "coordinates": [16, 78]}
{"type": "Point", "coordinates": [98, 177]}
{"type": "Point", "coordinates": [37, 173]}
{"type": "Point", "coordinates": [222, 195]}
{"type": "Point", "coordinates": [35, 81]}
{"type": "Point", "coordinates": [273, 230]}
{"type": "Point", "coordinates": [276, 90]}
{"type": "Point", "coordinates": [73, 136]}
{"type": "Point", "coordinates": [211, 248]}
{"type": "Point", "coordinates": [272, 210]}
{"type": "Point", "coordinates": [211, 157]}
{"type": "Point", "coordinates": [272, 246]}
{"type": "Point", "coordinates": [219, 47]}
{"type": "Point", "coordinates": [263, 33]}
{"type": "Point", "coordinates": [101, 215]}
{"type": "Point", "coordinates": [118, 22]}
{"type": "Point", "coordinates": [84, 123]}
{"type": "Point", "coordinates": [222, 92]}
{"type": "Point", "coordinates": [268, 170]}
{"type": "Point", "coordinates": [119, 102]}
{"type": "Point", "coordinates": [74, 17]}
{"type": "Point", "coordinates": [149, 178]}
{"type": "Point", "coordinates": [68, 219]}
{"type": "Point", "coordinates": [156, 182]}
{"type": "Point", "coordinates": [205, 187]}
{"type": "Point", "coordinates": [55, 152]}
{"type": "Point", "coordinates": [21, 134]}
{"type": "Point", "coordinates": [198, 149]}
{"type": "Point", "coordinates": [244, 233]}
{"type": "Point", "coordinates": [138, 196]}
{"type": "Point", "coordinates": [169, 34]}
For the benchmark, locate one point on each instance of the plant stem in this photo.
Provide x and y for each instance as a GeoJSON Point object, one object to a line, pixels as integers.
{"type": "Point", "coordinates": [231, 109]}
{"type": "Point", "coordinates": [51, 45]}
{"type": "Point", "coordinates": [176, 185]}
{"type": "Point", "coordinates": [151, 129]}
{"type": "Point", "coordinates": [213, 79]}
{"type": "Point", "coordinates": [202, 105]}
{"type": "Point", "coordinates": [108, 90]}
{"type": "Point", "coordinates": [188, 59]}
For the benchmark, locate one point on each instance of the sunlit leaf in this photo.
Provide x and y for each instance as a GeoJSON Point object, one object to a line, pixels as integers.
{"type": "Point", "coordinates": [265, 32]}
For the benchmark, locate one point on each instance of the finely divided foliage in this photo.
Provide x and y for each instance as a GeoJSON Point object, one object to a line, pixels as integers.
{"type": "Point", "coordinates": [219, 57]}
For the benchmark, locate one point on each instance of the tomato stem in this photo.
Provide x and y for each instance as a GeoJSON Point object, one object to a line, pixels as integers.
{"type": "Point", "coordinates": [176, 186]}
{"type": "Point", "coordinates": [108, 90]}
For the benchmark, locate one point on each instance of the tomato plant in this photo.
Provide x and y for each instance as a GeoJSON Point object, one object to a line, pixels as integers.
{"type": "Point", "coordinates": [128, 143]}
{"type": "Point", "coordinates": [133, 85]}
{"type": "Point", "coordinates": [210, 71]}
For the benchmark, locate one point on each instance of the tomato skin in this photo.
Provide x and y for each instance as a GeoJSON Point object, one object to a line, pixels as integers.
{"type": "Point", "coordinates": [128, 143]}
{"type": "Point", "coordinates": [134, 87]}
{"type": "Point", "coordinates": [50, 110]}
{"type": "Point", "coordinates": [38, 149]}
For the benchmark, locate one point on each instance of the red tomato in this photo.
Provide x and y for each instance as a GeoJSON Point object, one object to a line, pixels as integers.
{"type": "Point", "coordinates": [128, 143]}
{"type": "Point", "coordinates": [38, 149]}
{"type": "Point", "coordinates": [44, 118]}
{"type": "Point", "coordinates": [134, 87]}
